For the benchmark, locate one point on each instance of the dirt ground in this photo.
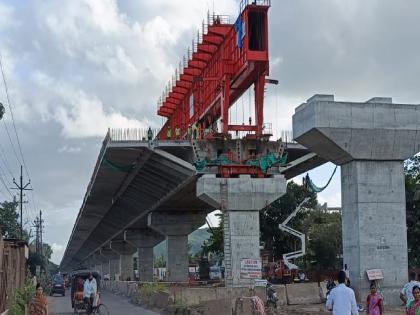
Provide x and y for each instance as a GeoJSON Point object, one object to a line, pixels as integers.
{"type": "Point", "coordinates": [319, 309]}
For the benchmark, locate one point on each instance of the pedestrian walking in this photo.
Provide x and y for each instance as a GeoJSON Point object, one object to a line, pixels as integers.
{"type": "Point", "coordinates": [406, 293]}
{"type": "Point", "coordinates": [341, 300]}
{"type": "Point", "coordinates": [39, 304]}
{"type": "Point", "coordinates": [374, 305]}
{"type": "Point", "coordinates": [413, 307]}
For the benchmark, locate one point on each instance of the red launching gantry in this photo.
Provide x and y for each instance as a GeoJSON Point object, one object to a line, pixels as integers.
{"type": "Point", "coordinates": [224, 61]}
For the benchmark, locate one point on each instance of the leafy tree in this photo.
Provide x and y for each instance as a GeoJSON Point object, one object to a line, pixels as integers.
{"type": "Point", "coordinates": [323, 232]}
{"type": "Point", "coordinates": [160, 262]}
{"type": "Point", "coordinates": [215, 242]}
{"type": "Point", "coordinates": [9, 224]}
{"type": "Point", "coordinates": [412, 185]}
{"type": "Point", "coordinates": [273, 238]}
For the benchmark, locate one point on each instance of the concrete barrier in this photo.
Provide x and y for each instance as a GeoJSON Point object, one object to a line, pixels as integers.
{"type": "Point", "coordinates": [281, 294]}
{"type": "Point", "coordinates": [303, 293]}
{"type": "Point", "coordinates": [195, 296]}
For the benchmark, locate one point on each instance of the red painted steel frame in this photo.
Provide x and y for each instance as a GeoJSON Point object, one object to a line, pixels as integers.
{"type": "Point", "coordinates": [218, 73]}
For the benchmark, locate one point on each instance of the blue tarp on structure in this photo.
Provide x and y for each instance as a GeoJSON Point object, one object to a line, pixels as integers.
{"type": "Point", "coordinates": [239, 31]}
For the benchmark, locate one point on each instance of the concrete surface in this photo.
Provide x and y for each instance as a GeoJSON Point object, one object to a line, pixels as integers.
{"type": "Point", "coordinates": [303, 293]}
{"type": "Point", "coordinates": [176, 226]}
{"type": "Point", "coordinates": [369, 140]}
{"type": "Point", "coordinates": [240, 199]}
{"type": "Point", "coordinates": [115, 304]}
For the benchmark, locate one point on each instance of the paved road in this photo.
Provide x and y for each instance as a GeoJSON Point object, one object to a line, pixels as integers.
{"type": "Point", "coordinates": [116, 305]}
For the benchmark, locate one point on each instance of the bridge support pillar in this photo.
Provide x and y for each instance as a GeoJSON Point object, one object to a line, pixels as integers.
{"type": "Point", "coordinates": [113, 262]}
{"type": "Point", "coordinates": [126, 262]}
{"type": "Point", "coordinates": [176, 226]}
{"type": "Point", "coordinates": [241, 199]}
{"type": "Point", "coordinates": [144, 240]}
{"type": "Point", "coordinates": [370, 141]}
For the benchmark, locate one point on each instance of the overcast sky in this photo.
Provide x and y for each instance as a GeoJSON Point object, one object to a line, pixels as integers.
{"type": "Point", "coordinates": [75, 68]}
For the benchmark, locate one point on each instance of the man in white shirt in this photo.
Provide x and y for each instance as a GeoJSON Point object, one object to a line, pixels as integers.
{"type": "Point", "coordinates": [341, 300]}
{"type": "Point", "coordinates": [406, 294]}
{"type": "Point", "coordinates": [89, 292]}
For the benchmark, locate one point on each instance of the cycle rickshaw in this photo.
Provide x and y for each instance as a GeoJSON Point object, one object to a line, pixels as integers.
{"type": "Point", "coordinates": [78, 303]}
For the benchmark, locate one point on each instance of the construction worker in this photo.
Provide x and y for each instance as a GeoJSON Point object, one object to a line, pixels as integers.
{"type": "Point", "coordinates": [149, 134]}
{"type": "Point", "coordinates": [169, 133]}
{"type": "Point", "coordinates": [189, 132]}
{"type": "Point", "coordinates": [194, 131]}
{"type": "Point", "coordinates": [177, 133]}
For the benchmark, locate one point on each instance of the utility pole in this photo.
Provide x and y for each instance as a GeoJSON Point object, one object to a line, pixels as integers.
{"type": "Point", "coordinates": [21, 188]}
{"type": "Point", "coordinates": [36, 226]}
{"type": "Point", "coordinates": [41, 226]}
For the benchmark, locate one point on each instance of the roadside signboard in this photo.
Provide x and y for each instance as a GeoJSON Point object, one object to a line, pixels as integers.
{"type": "Point", "coordinates": [375, 274]}
{"type": "Point", "coordinates": [250, 268]}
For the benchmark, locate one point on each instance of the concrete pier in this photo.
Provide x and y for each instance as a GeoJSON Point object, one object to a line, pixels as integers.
{"type": "Point", "coordinates": [144, 240]}
{"type": "Point", "coordinates": [370, 141]}
{"type": "Point", "coordinates": [176, 226]}
{"type": "Point", "coordinates": [126, 251]}
{"type": "Point", "coordinates": [241, 199]}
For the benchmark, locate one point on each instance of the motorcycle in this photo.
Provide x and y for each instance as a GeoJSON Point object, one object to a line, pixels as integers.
{"type": "Point", "coordinates": [272, 297]}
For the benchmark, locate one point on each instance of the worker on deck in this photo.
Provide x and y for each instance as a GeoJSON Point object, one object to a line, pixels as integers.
{"type": "Point", "coordinates": [194, 131]}
{"type": "Point", "coordinates": [149, 134]}
{"type": "Point", "coordinates": [189, 132]}
{"type": "Point", "coordinates": [177, 133]}
{"type": "Point", "coordinates": [169, 133]}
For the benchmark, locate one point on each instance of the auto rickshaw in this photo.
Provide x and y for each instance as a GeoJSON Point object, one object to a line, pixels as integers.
{"type": "Point", "coordinates": [78, 304]}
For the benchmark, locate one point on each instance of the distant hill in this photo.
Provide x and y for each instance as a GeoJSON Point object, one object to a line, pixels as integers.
{"type": "Point", "coordinates": [196, 239]}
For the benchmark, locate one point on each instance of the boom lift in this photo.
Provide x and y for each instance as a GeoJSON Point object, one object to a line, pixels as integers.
{"type": "Point", "coordinates": [283, 226]}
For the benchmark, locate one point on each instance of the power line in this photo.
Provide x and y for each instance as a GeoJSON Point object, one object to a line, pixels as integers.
{"type": "Point", "coordinates": [5, 185]}
{"type": "Point", "coordinates": [11, 115]}
{"type": "Point", "coordinates": [3, 158]}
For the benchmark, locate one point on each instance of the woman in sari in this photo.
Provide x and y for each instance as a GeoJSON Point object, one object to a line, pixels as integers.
{"type": "Point", "coordinates": [374, 304]}
{"type": "Point", "coordinates": [413, 307]}
{"type": "Point", "coordinates": [39, 304]}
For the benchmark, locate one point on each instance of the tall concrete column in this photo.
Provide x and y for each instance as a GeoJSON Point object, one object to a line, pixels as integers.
{"type": "Point", "coordinates": [176, 226]}
{"type": "Point", "coordinates": [370, 141]}
{"type": "Point", "coordinates": [113, 261]}
{"type": "Point", "coordinates": [144, 240]}
{"type": "Point", "coordinates": [240, 199]}
{"type": "Point", "coordinates": [126, 262]}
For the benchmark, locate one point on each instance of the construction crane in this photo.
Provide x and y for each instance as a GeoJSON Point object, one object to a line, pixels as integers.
{"type": "Point", "coordinates": [224, 61]}
{"type": "Point", "coordinates": [283, 226]}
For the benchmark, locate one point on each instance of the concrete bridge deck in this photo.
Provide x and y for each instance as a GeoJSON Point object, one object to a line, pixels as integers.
{"type": "Point", "coordinates": [133, 178]}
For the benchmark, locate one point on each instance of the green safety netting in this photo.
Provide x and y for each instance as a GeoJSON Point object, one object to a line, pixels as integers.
{"type": "Point", "coordinates": [267, 161]}
{"type": "Point", "coordinates": [312, 187]}
{"type": "Point", "coordinates": [118, 168]}
{"type": "Point", "coordinates": [264, 162]}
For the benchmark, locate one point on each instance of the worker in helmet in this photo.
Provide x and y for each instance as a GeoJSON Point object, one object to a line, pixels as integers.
{"type": "Point", "coordinates": [169, 133]}
{"type": "Point", "coordinates": [194, 131]}
{"type": "Point", "coordinates": [177, 133]}
{"type": "Point", "coordinates": [189, 132]}
{"type": "Point", "coordinates": [149, 134]}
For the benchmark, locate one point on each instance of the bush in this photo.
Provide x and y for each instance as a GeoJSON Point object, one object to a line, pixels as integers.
{"type": "Point", "coordinates": [22, 297]}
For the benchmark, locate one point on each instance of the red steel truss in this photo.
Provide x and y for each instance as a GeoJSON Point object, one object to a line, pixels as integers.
{"type": "Point", "coordinates": [224, 61]}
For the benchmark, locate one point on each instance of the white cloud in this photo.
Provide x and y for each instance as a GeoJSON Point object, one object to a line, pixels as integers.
{"type": "Point", "coordinates": [68, 149]}
{"type": "Point", "coordinates": [58, 251]}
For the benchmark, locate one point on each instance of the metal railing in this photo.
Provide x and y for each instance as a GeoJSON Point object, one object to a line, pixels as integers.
{"type": "Point", "coordinates": [287, 136]}
{"type": "Point", "coordinates": [130, 134]}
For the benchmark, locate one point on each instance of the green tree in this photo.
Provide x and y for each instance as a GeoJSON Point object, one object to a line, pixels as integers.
{"type": "Point", "coordinates": [412, 191]}
{"type": "Point", "coordinates": [273, 238]}
{"type": "Point", "coordinates": [324, 245]}
{"type": "Point", "coordinates": [160, 262]}
{"type": "Point", "coordinates": [215, 242]}
{"type": "Point", "coordinates": [9, 224]}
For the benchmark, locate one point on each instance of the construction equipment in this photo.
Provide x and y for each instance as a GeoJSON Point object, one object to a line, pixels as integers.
{"type": "Point", "coordinates": [225, 60]}
{"type": "Point", "coordinates": [283, 226]}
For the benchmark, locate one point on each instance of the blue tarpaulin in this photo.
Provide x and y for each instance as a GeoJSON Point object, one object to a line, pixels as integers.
{"type": "Point", "coordinates": [239, 31]}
